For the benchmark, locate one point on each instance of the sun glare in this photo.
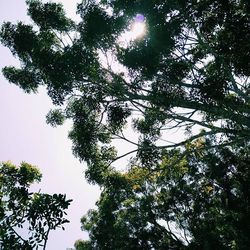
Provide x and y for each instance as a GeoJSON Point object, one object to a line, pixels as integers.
{"type": "Point", "coordinates": [138, 27]}
{"type": "Point", "coordinates": [138, 30]}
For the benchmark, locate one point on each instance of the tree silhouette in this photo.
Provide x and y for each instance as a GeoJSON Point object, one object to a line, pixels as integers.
{"type": "Point", "coordinates": [189, 71]}
{"type": "Point", "coordinates": [27, 218]}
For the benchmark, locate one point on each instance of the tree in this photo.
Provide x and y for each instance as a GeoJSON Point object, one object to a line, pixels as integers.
{"type": "Point", "coordinates": [201, 202]}
{"type": "Point", "coordinates": [27, 218]}
{"type": "Point", "coordinates": [189, 71]}
{"type": "Point", "coordinates": [82, 245]}
{"type": "Point", "coordinates": [182, 73]}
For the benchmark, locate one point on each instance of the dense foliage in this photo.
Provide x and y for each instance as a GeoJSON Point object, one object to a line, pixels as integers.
{"type": "Point", "coordinates": [200, 202]}
{"type": "Point", "coordinates": [190, 71]}
{"type": "Point", "coordinates": [27, 218]}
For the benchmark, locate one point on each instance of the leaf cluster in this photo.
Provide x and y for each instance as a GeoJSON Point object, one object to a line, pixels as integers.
{"type": "Point", "coordinates": [21, 209]}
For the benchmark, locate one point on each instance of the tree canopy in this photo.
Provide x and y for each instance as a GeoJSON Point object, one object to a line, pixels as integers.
{"type": "Point", "coordinates": [189, 71]}
{"type": "Point", "coordinates": [27, 218]}
{"type": "Point", "coordinates": [201, 202]}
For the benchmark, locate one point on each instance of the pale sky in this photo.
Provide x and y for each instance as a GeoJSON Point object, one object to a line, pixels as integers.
{"type": "Point", "coordinates": [25, 136]}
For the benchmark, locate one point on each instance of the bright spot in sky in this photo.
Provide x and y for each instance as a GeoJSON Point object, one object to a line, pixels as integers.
{"type": "Point", "coordinates": [138, 30]}
{"type": "Point", "coordinates": [138, 27]}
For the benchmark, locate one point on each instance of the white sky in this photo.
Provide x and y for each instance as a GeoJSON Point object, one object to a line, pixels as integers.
{"type": "Point", "coordinates": [25, 136]}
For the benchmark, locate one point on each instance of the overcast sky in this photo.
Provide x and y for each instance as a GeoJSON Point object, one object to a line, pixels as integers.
{"type": "Point", "coordinates": [25, 136]}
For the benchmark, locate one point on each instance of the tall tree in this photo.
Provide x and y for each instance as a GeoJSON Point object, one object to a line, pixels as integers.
{"type": "Point", "coordinates": [27, 218]}
{"type": "Point", "coordinates": [190, 71]}
{"type": "Point", "coordinates": [190, 68]}
{"type": "Point", "coordinates": [200, 202]}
